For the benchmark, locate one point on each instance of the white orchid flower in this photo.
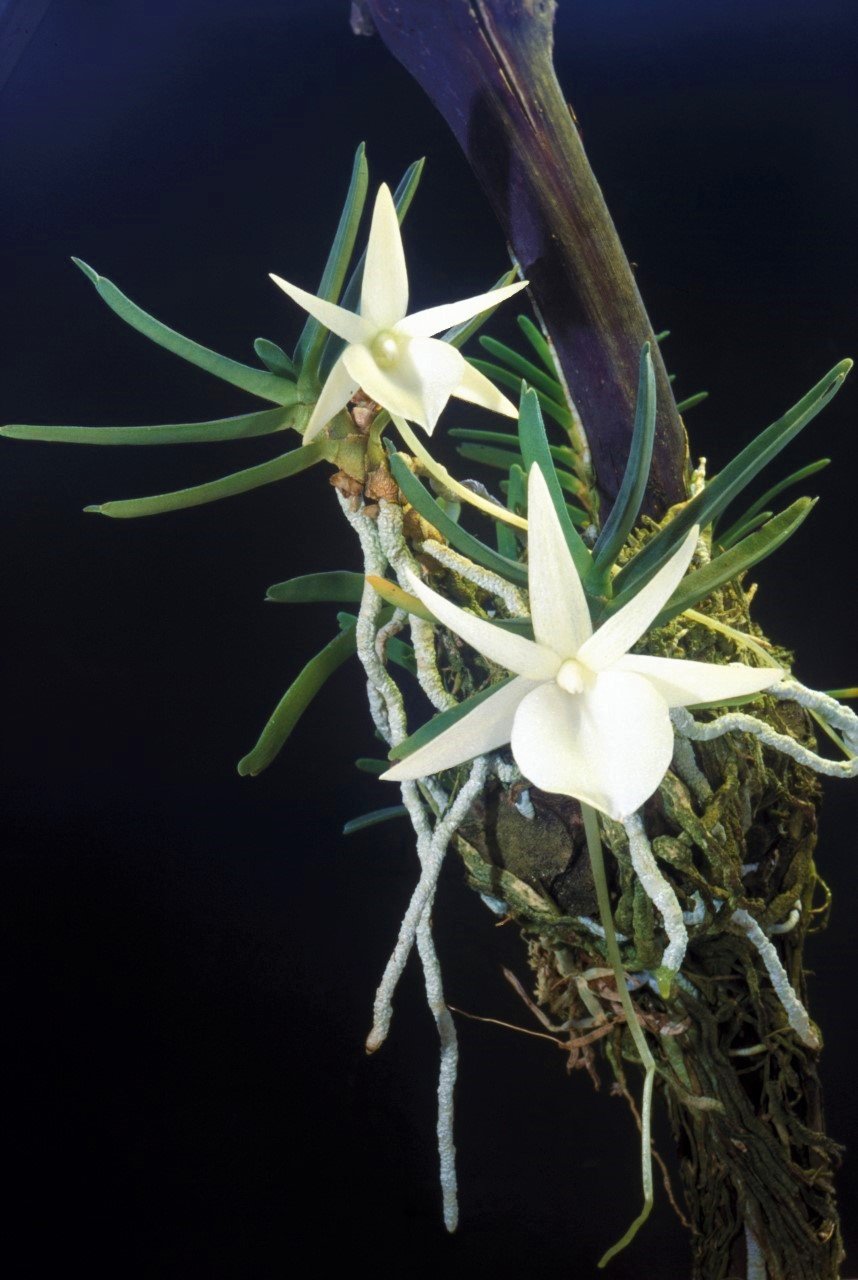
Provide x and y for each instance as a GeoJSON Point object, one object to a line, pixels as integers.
{"type": "Point", "coordinates": [393, 356]}
{"type": "Point", "coordinates": [584, 717]}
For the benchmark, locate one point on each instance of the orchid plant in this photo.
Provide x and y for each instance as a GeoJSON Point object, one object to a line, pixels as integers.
{"type": "Point", "coordinates": [612, 628]}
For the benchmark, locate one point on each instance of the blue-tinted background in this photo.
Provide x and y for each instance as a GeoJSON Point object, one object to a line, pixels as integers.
{"type": "Point", "coordinates": [192, 956]}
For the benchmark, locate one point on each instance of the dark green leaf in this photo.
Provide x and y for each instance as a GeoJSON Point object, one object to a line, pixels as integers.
{"type": "Point", "coordinates": [367, 764]}
{"type": "Point", "coordinates": [460, 333]}
{"type": "Point", "coordinates": [288, 464]}
{"type": "Point", "coordinates": [374, 818]}
{"type": "Point", "coordinates": [534, 449]}
{"type": "Point", "coordinates": [745, 554]}
{"type": "Point", "coordinates": [339, 586]}
{"type": "Point", "coordinates": [259, 383]}
{"type": "Point", "coordinates": [422, 501]}
{"type": "Point", "coordinates": [723, 488]}
{"type": "Point", "coordinates": [795, 478]}
{"type": "Point", "coordinates": [507, 537]}
{"type": "Point", "coordinates": [539, 344]}
{"type": "Point", "coordinates": [264, 423]}
{"type": "Point", "coordinates": [741, 528]}
{"type": "Point", "coordinates": [274, 358]}
{"type": "Point", "coordinates": [559, 452]}
{"type": "Point", "coordinates": [490, 456]}
{"type": "Point", "coordinates": [496, 373]}
{"type": "Point", "coordinates": [627, 506]}
{"type": "Point", "coordinates": [537, 378]}
{"type": "Point", "coordinates": [430, 730]}
{"type": "Point", "coordinates": [690, 401]}
{"type": "Point", "coordinates": [309, 348]}
{"type": "Point", "coordinates": [295, 701]}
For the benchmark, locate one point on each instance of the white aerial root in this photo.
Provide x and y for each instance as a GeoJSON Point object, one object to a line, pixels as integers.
{"type": "Point", "coordinates": [756, 1269]}
{"type": "Point", "coordinates": [792, 1006]}
{"type": "Point", "coordinates": [514, 599]}
{"type": "Point", "coordinates": [833, 712]}
{"type": "Point", "coordinates": [658, 891]}
{"type": "Point", "coordinates": [388, 715]}
{"type": "Point", "coordinates": [685, 764]}
{"type": "Point", "coordinates": [422, 632]}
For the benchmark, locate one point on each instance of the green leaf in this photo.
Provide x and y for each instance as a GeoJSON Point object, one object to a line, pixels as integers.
{"type": "Point", "coordinates": [267, 386]}
{"type": "Point", "coordinates": [795, 478]}
{"type": "Point", "coordinates": [507, 538]}
{"type": "Point", "coordinates": [287, 464]}
{"type": "Point", "coordinates": [309, 348]}
{"type": "Point", "coordinates": [264, 423]}
{"type": "Point", "coordinates": [534, 449]}
{"type": "Point", "coordinates": [743, 527]}
{"type": "Point", "coordinates": [460, 333]}
{"type": "Point", "coordinates": [627, 506]}
{"type": "Point", "coordinates": [690, 401]}
{"type": "Point", "coordinates": [496, 373]}
{"type": "Point", "coordinates": [539, 344]}
{"type": "Point", "coordinates": [373, 819]}
{"type": "Point", "coordinates": [537, 378]}
{"type": "Point", "coordinates": [723, 488]}
{"type": "Point", "coordinates": [490, 456]}
{"type": "Point", "coordinates": [339, 586]}
{"type": "Point", "coordinates": [295, 701]}
{"type": "Point", "coordinates": [425, 504]}
{"type": "Point", "coordinates": [274, 358]}
{"type": "Point", "coordinates": [745, 554]}
{"type": "Point", "coordinates": [559, 452]}
{"type": "Point", "coordinates": [367, 764]}
{"type": "Point", "coordinates": [402, 197]}
{"type": "Point", "coordinates": [430, 730]}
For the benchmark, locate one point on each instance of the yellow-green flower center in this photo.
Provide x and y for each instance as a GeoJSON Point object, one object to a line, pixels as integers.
{"type": "Point", "coordinates": [385, 348]}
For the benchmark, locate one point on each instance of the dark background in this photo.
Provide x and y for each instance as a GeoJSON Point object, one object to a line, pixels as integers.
{"type": "Point", "coordinates": [190, 956]}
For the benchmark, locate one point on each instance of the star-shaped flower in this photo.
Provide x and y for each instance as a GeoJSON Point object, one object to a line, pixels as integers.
{"type": "Point", "coordinates": [393, 356]}
{"type": "Point", "coordinates": [584, 717]}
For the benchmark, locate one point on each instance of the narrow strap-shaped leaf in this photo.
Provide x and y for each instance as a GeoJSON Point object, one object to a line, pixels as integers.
{"type": "Point", "coordinates": [489, 455]}
{"type": "Point", "coordinates": [730, 564]}
{"type": "Point", "coordinates": [374, 818]}
{"type": "Point", "coordinates": [536, 377]}
{"type": "Point", "coordinates": [560, 453]}
{"type": "Point", "coordinates": [295, 701]}
{"type": "Point", "coordinates": [788, 481]}
{"type": "Point", "coordinates": [627, 505]}
{"type": "Point", "coordinates": [402, 197]}
{"type": "Point", "coordinates": [460, 333]}
{"type": "Point", "coordinates": [339, 586]}
{"type": "Point", "coordinates": [264, 423]}
{"type": "Point", "coordinates": [742, 528]}
{"type": "Point", "coordinates": [367, 764]}
{"type": "Point", "coordinates": [534, 449]}
{"type": "Point", "coordinates": [309, 347]}
{"type": "Point", "coordinates": [716, 496]}
{"type": "Point", "coordinates": [430, 730]}
{"type": "Point", "coordinates": [287, 464]}
{"type": "Point", "coordinates": [539, 344]}
{"type": "Point", "coordinates": [268, 386]}
{"type": "Point", "coordinates": [497, 373]}
{"type": "Point", "coordinates": [425, 504]}
{"type": "Point", "coordinates": [507, 540]}
{"type": "Point", "coordinates": [689, 402]}
{"type": "Point", "coordinates": [274, 358]}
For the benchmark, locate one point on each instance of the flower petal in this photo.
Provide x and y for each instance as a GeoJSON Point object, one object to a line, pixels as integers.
{"type": "Point", "coordinates": [609, 746]}
{"type": "Point", "coordinates": [345, 324]}
{"type": "Point", "coordinates": [683, 683]}
{"type": "Point", "coordinates": [558, 605]}
{"type": "Point", "coordinates": [417, 385]}
{"type": "Point", "coordinates": [484, 729]}
{"type": "Point", "coordinates": [515, 653]}
{"type": "Point", "coordinates": [384, 293]}
{"type": "Point", "coordinates": [476, 388]}
{"type": "Point", "coordinates": [619, 633]}
{"type": "Point", "coordinates": [423, 324]}
{"type": "Point", "coordinates": [339, 388]}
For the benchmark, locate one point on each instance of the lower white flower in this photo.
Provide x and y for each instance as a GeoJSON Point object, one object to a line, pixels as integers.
{"type": "Point", "coordinates": [584, 717]}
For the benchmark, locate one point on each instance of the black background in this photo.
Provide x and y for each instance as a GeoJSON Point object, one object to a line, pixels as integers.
{"type": "Point", "coordinates": [191, 956]}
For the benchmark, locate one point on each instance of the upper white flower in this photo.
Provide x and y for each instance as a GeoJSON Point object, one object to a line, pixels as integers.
{"type": "Point", "coordinates": [390, 355]}
{"type": "Point", "coordinates": [584, 717]}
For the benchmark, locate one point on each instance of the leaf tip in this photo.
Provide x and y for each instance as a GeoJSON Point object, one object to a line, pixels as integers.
{"type": "Point", "coordinates": [88, 271]}
{"type": "Point", "coordinates": [95, 508]}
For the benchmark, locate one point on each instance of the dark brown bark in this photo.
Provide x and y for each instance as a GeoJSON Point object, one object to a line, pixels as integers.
{"type": "Point", "coordinates": [487, 66]}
